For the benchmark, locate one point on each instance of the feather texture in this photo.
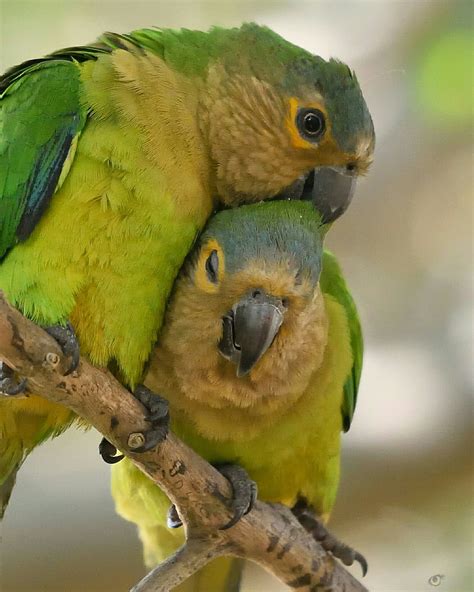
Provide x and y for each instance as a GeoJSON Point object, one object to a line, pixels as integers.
{"type": "Point", "coordinates": [282, 422]}
{"type": "Point", "coordinates": [112, 158]}
{"type": "Point", "coordinates": [333, 283]}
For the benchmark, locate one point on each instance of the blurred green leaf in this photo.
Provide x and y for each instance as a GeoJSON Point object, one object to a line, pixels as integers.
{"type": "Point", "coordinates": [444, 79]}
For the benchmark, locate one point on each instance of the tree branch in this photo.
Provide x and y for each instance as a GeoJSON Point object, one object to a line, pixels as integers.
{"type": "Point", "coordinates": [269, 535]}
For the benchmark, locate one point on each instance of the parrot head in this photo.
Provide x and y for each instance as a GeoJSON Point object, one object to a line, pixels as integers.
{"type": "Point", "coordinates": [247, 315]}
{"type": "Point", "coordinates": [276, 121]}
{"type": "Point", "coordinates": [283, 123]}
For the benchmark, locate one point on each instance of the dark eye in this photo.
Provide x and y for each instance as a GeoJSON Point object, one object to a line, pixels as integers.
{"type": "Point", "coordinates": [212, 267]}
{"type": "Point", "coordinates": [311, 123]}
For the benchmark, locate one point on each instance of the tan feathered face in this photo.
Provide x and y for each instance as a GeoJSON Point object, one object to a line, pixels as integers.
{"type": "Point", "coordinates": [235, 339]}
{"type": "Point", "coordinates": [302, 133]}
{"type": "Point", "coordinates": [266, 143]}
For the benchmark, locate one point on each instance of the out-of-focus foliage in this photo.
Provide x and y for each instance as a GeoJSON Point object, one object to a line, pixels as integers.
{"type": "Point", "coordinates": [406, 245]}
{"type": "Point", "coordinates": [444, 76]}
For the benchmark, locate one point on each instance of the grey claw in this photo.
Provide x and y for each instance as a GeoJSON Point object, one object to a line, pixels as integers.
{"type": "Point", "coordinates": [157, 414]}
{"type": "Point", "coordinates": [330, 543]}
{"type": "Point", "coordinates": [108, 452]}
{"type": "Point", "coordinates": [244, 491]}
{"type": "Point", "coordinates": [244, 496]}
{"type": "Point", "coordinates": [362, 562]}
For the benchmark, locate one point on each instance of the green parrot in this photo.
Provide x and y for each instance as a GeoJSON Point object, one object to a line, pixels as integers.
{"type": "Point", "coordinates": [259, 357]}
{"type": "Point", "coordinates": [112, 158]}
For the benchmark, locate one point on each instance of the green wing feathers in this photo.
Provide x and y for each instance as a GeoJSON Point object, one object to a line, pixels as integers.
{"type": "Point", "coordinates": [333, 283]}
{"type": "Point", "coordinates": [41, 117]}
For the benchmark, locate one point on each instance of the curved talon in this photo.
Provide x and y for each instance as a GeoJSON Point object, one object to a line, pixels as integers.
{"type": "Point", "coordinates": [67, 340]}
{"type": "Point", "coordinates": [244, 496]}
{"type": "Point", "coordinates": [9, 387]}
{"type": "Point", "coordinates": [343, 552]}
{"type": "Point", "coordinates": [157, 414]}
{"type": "Point", "coordinates": [348, 557]}
{"type": "Point", "coordinates": [172, 519]}
{"type": "Point", "coordinates": [244, 492]}
{"type": "Point", "coordinates": [108, 452]}
{"type": "Point", "coordinates": [330, 543]}
{"type": "Point", "coordinates": [362, 561]}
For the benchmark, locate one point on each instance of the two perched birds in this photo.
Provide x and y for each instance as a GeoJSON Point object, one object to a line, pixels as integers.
{"type": "Point", "coordinates": [121, 161]}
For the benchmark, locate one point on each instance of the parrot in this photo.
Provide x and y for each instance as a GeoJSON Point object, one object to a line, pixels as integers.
{"type": "Point", "coordinates": [259, 358]}
{"type": "Point", "coordinates": [112, 158]}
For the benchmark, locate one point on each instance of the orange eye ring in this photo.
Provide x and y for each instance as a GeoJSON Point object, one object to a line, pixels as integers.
{"type": "Point", "coordinates": [297, 121]}
{"type": "Point", "coordinates": [210, 267]}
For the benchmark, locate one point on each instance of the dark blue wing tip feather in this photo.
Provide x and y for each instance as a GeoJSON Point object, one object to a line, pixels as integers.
{"type": "Point", "coordinates": [44, 178]}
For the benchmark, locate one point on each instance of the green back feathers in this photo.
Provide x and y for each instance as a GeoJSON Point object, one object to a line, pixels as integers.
{"type": "Point", "coordinates": [71, 54]}
{"type": "Point", "coordinates": [40, 117]}
{"type": "Point", "coordinates": [39, 99]}
{"type": "Point", "coordinates": [271, 231]}
{"type": "Point", "coordinates": [332, 282]}
{"type": "Point", "coordinates": [249, 49]}
{"type": "Point", "coordinates": [258, 51]}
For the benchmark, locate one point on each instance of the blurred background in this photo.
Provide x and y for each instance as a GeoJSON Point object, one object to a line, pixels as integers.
{"type": "Point", "coordinates": [406, 496]}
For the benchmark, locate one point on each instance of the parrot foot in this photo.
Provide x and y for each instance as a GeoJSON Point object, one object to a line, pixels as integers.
{"type": "Point", "coordinates": [157, 414]}
{"type": "Point", "coordinates": [244, 496]}
{"type": "Point", "coordinates": [9, 386]}
{"type": "Point", "coordinates": [67, 340]}
{"type": "Point", "coordinates": [244, 491]}
{"type": "Point", "coordinates": [66, 337]}
{"type": "Point", "coordinates": [330, 543]}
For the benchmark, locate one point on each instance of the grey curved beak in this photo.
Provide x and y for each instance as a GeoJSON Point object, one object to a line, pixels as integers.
{"type": "Point", "coordinates": [250, 328]}
{"type": "Point", "coordinates": [330, 189]}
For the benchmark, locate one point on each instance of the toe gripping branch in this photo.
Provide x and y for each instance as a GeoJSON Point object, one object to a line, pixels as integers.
{"type": "Point", "coordinates": [244, 491]}
{"type": "Point", "coordinates": [321, 534]}
{"type": "Point", "coordinates": [9, 386]}
{"type": "Point", "coordinates": [67, 340]}
{"type": "Point", "coordinates": [157, 414]}
{"type": "Point", "coordinates": [244, 495]}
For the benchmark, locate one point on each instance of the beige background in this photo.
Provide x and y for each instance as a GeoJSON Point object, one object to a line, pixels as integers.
{"type": "Point", "coordinates": [406, 494]}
